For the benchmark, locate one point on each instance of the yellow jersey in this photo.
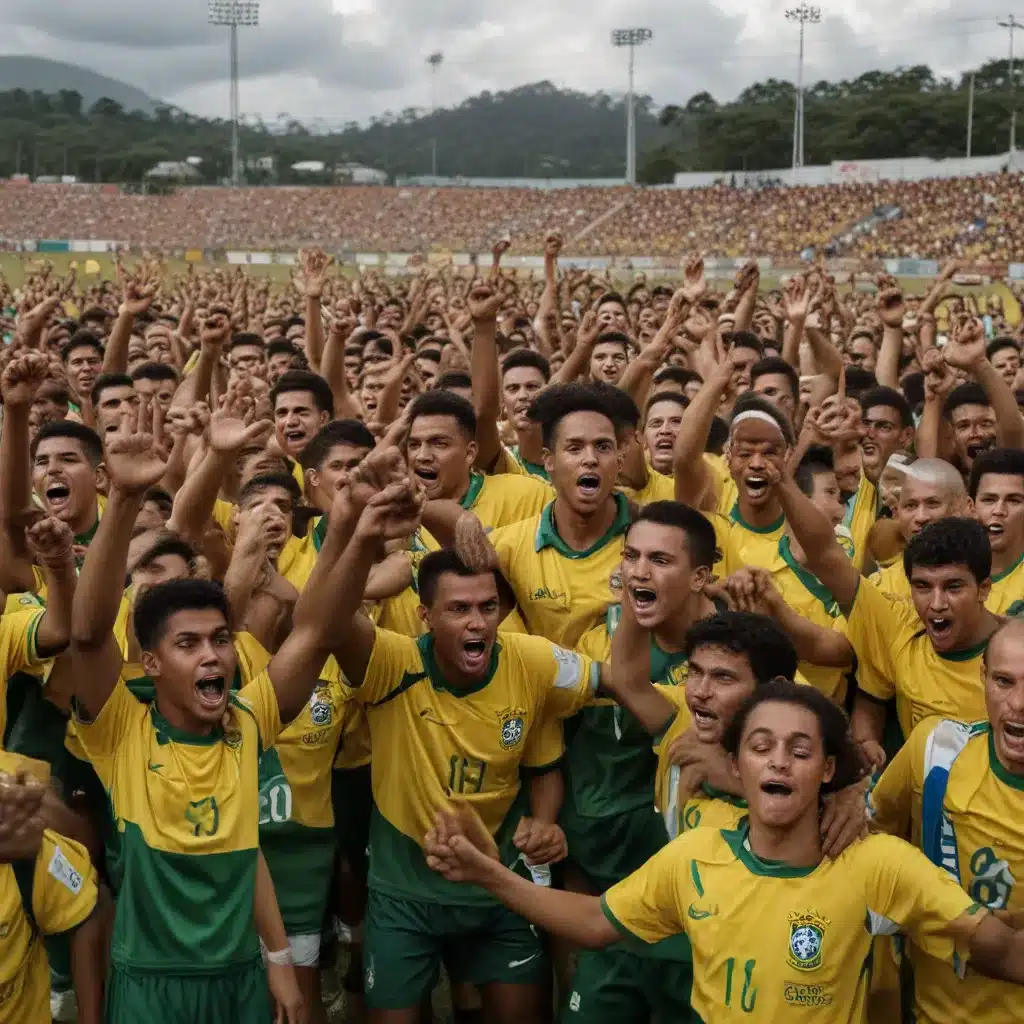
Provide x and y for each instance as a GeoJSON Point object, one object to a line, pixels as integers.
{"type": "Point", "coordinates": [892, 580]}
{"type": "Point", "coordinates": [1007, 594]}
{"type": "Point", "coordinates": [861, 513]}
{"type": "Point", "coordinates": [431, 741]}
{"type": "Point", "coordinates": [755, 546]}
{"type": "Point", "coordinates": [725, 488]}
{"type": "Point", "coordinates": [887, 637]}
{"type": "Point", "coordinates": [298, 556]}
{"type": "Point", "coordinates": [18, 650]}
{"type": "Point", "coordinates": [51, 895]}
{"type": "Point", "coordinates": [561, 592]}
{"type": "Point", "coordinates": [807, 958]}
{"type": "Point", "coordinates": [977, 835]}
{"type": "Point", "coordinates": [511, 461]}
{"type": "Point", "coordinates": [505, 498]}
{"type": "Point", "coordinates": [187, 810]}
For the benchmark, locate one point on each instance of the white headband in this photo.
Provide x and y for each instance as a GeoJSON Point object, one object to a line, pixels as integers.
{"type": "Point", "coordinates": [755, 414]}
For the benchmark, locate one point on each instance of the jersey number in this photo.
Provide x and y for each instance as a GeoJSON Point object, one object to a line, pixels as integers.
{"type": "Point", "coordinates": [749, 995]}
{"type": "Point", "coordinates": [276, 805]}
{"type": "Point", "coordinates": [465, 774]}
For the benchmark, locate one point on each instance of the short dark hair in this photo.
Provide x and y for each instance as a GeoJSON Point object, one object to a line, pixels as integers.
{"type": "Point", "coordinates": [676, 397]}
{"type": "Point", "coordinates": [778, 365]}
{"type": "Point", "coordinates": [155, 371]}
{"type": "Point", "coordinates": [954, 540]}
{"type": "Point", "coordinates": [700, 534]}
{"type": "Point", "coordinates": [743, 339]}
{"type": "Point", "coordinates": [766, 647]}
{"type": "Point", "coordinates": [444, 403]}
{"type": "Point", "coordinates": [556, 402]}
{"type": "Point", "coordinates": [526, 357]}
{"type": "Point", "coordinates": [454, 379]}
{"type": "Point", "coordinates": [331, 434]}
{"type": "Point", "coordinates": [999, 344]}
{"type": "Point", "coordinates": [717, 436]}
{"type": "Point", "coordinates": [428, 353]}
{"type": "Point", "coordinates": [167, 544]}
{"type": "Point", "coordinates": [109, 380]}
{"type": "Point", "coordinates": [613, 338]}
{"type": "Point", "coordinates": [836, 736]}
{"type": "Point", "coordinates": [262, 481]}
{"type": "Point", "coordinates": [859, 380]}
{"type": "Point", "coordinates": [247, 338]}
{"type": "Point", "coordinates": [749, 402]}
{"type": "Point", "coordinates": [888, 398]}
{"type": "Point", "coordinates": [89, 439]}
{"type": "Point", "coordinates": [968, 393]}
{"type": "Point", "coordinates": [437, 563]}
{"type": "Point", "coordinates": [80, 339]}
{"type": "Point", "coordinates": [154, 608]}
{"type": "Point", "coordinates": [607, 297]}
{"type": "Point", "coordinates": [305, 380]}
{"type": "Point", "coordinates": [913, 388]}
{"type": "Point", "coordinates": [159, 497]}
{"type": "Point", "coordinates": [282, 347]}
{"type": "Point", "coordinates": [817, 459]}
{"type": "Point", "coordinates": [678, 375]}
{"type": "Point", "coordinates": [998, 461]}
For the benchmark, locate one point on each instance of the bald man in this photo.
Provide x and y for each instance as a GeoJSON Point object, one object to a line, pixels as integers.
{"type": "Point", "coordinates": [932, 489]}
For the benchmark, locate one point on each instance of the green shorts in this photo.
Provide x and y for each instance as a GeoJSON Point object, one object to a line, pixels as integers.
{"type": "Point", "coordinates": [301, 863]}
{"type": "Point", "coordinates": [237, 996]}
{"type": "Point", "coordinates": [352, 799]}
{"type": "Point", "coordinates": [406, 942]}
{"type": "Point", "coordinates": [609, 849]}
{"type": "Point", "coordinates": [616, 986]}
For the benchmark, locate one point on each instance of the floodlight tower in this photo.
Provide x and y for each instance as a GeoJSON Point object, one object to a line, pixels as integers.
{"type": "Point", "coordinates": [435, 60]}
{"type": "Point", "coordinates": [1012, 24]}
{"type": "Point", "coordinates": [234, 13]}
{"type": "Point", "coordinates": [632, 38]}
{"type": "Point", "coordinates": [804, 15]}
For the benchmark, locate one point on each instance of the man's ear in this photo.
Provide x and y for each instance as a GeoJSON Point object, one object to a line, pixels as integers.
{"type": "Point", "coordinates": [151, 664]}
{"type": "Point", "coordinates": [101, 478]}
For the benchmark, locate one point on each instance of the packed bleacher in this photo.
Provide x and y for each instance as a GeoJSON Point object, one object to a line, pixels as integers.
{"type": "Point", "coordinates": [978, 218]}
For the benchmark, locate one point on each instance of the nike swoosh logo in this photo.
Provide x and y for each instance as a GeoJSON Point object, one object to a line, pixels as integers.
{"type": "Point", "coordinates": [519, 963]}
{"type": "Point", "coordinates": [699, 915]}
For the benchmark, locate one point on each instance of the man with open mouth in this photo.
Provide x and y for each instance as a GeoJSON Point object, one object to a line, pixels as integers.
{"type": "Point", "coordinates": [997, 492]}
{"type": "Point", "coordinates": [302, 403]}
{"type": "Point", "coordinates": [970, 823]}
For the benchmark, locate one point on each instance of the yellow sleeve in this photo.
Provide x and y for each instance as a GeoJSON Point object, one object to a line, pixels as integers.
{"type": "Point", "coordinates": [647, 904]}
{"type": "Point", "coordinates": [224, 516]}
{"type": "Point", "coordinates": [891, 801]}
{"type": "Point", "coordinates": [260, 697]}
{"type": "Point", "coordinates": [878, 627]}
{"type": "Point", "coordinates": [394, 656]}
{"type": "Point", "coordinates": [102, 737]}
{"type": "Point", "coordinates": [64, 888]}
{"type": "Point", "coordinates": [570, 678]}
{"type": "Point", "coordinates": [905, 889]}
{"type": "Point", "coordinates": [253, 657]}
{"type": "Point", "coordinates": [506, 463]}
{"type": "Point", "coordinates": [18, 631]}
{"type": "Point", "coordinates": [545, 743]}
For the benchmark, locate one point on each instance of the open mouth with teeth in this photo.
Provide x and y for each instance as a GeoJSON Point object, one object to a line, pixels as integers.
{"type": "Point", "coordinates": [940, 629]}
{"type": "Point", "coordinates": [474, 654]}
{"type": "Point", "coordinates": [589, 484]}
{"type": "Point", "coordinates": [58, 495]}
{"type": "Point", "coordinates": [756, 486]}
{"type": "Point", "coordinates": [996, 532]}
{"type": "Point", "coordinates": [974, 450]}
{"type": "Point", "coordinates": [777, 789]}
{"type": "Point", "coordinates": [704, 722]}
{"type": "Point", "coordinates": [644, 599]}
{"type": "Point", "coordinates": [295, 438]}
{"type": "Point", "coordinates": [211, 691]}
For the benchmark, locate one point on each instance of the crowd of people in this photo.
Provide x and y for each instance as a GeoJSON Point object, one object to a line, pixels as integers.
{"type": "Point", "coordinates": [977, 218]}
{"type": "Point", "coordinates": [635, 656]}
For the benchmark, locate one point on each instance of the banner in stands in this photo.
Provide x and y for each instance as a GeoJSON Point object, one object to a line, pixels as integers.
{"type": "Point", "coordinates": [1016, 271]}
{"type": "Point", "coordinates": [368, 259]}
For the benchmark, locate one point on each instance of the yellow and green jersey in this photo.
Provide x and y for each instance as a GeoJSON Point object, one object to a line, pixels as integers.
{"type": "Point", "coordinates": [726, 491]}
{"type": "Point", "coordinates": [773, 942]}
{"type": "Point", "coordinates": [19, 652]}
{"type": "Point", "coordinates": [892, 580]}
{"type": "Point", "coordinates": [432, 741]}
{"type": "Point", "coordinates": [51, 895]}
{"type": "Point", "coordinates": [949, 791]}
{"type": "Point", "coordinates": [1007, 594]}
{"type": "Point", "coordinates": [561, 592]}
{"type": "Point", "coordinates": [610, 760]}
{"type": "Point", "coordinates": [755, 546]}
{"type": "Point", "coordinates": [897, 659]}
{"type": "Point", "coordinates": [511, 461]}
{"type": "Point", "coordinates": [187, 810]}
{"type": "Point", "coordinates": [861, 514]}
{"type": "Point", "coordinates": [505, 498]}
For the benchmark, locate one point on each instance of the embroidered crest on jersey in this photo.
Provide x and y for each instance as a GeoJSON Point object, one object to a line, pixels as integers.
{"type": "Point", "coordinates": [321, 709]}
{"type": "Point", "coordinates": [615, 582]}
{"type": "Point", "coordinates": [61, 869]}
{"type": "Point", "coordinates": [806, 936]}
{"type": "Point", "coordinates": [512, 727]}
{"type": "Point", "coordinates": [204, 816]}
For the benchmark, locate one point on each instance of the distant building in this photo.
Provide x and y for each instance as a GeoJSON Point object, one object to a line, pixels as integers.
{"type": "Point", "coordinates": [357, 174]}
{"type": "Point", "coordinates": [173, 170]}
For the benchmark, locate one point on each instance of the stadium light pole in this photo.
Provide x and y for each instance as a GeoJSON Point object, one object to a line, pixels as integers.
{"type": "Point", "coordinates": [804, 15]}
{"type": "Point", "coordinates": [1012, 24]}
{"type": "Point", "coordinates": [234, 13]}
{"type": "Point", "coordinates": [435, 60]}
{"type": "Point", "coordinates": [631, 38]}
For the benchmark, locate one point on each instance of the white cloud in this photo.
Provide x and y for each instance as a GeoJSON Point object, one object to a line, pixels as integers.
{"type": "Point", "coordinates": [345, 60]}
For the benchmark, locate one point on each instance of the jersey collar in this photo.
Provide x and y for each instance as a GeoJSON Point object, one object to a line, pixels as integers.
{"type": "Point", "coordinates": [1006, 572]}
{"type": "Point", "coordinates": [966, 654]}
{"type": "Point", "coordinates": [739, 842]}
{"type": "Point", "coordinates": [533, 468]}
{"type": "Point", "coordinates": [476, 485]}
{"type": "Point", "coordinates": [737, 518]}
{"type": "Point", "coordinates": [807, 578]}
{"type": "Point", "coordinates": [167, 733]}
{"type": "Point", "coordinates": [998, 769]}
{"type": "Point", "coordinates": [426, 645]}
{"type": "Point", "coordinates": [547, 533]}
{"type": "Point", "coordinates": [319, 533]}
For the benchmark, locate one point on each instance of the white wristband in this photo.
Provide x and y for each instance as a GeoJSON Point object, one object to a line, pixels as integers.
{"type": "Point", "coordinates": [282, 958]}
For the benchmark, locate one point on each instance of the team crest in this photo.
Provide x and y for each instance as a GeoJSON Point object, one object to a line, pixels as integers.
{"type": "Point", "coordinates": [806, 936]}
{"type": "Point", "coordinates": [512, 727]}
{"type": "Point", "coordinates": [615, 582]}
{"type": "Point", "coordinates": [320, 708]}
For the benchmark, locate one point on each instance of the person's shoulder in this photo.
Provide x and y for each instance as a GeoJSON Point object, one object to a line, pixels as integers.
{"type": "Point", "coordinates": [516, 534]}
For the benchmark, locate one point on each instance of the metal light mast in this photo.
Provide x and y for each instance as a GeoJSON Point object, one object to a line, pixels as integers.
{"type": "Point", "coordinates": [803, 15]}
{"type": "Point", "coordinates": [631, 38]}
{"type": "Point", "coordinates": [234, 13]}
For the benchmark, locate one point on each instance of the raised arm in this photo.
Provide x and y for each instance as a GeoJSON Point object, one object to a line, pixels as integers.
{"type": "Point", "coordinates": [138, 291]}
{"type": "Point", "coordinates": [891, 310]}
{"type": "Point", "coordinates": [578, 360]}
{"type": "Point", "coordinates": [134, 464]}
{"type": "Point", "coordinates": [213, 335]}
{"type": "Point", "coordinates": [314, 269]}
{"type": "Point", "coordinates": [52, 545]}
{"type": "Point", "coordinates": [798, 298]}
{"type": "Point", "coordinates": [484, 304]}
{"type": "Point", "coordinates": [333, 369]}
{"type": "Point", "coordinates": [747, 281]}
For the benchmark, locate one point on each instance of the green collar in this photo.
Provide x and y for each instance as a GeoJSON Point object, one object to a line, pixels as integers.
{"type": "Point", "coordinates": [476, 485]}
{"type": "Point", "coordinates": [739, 843]}
{"type": "Point", "coordinates": [533, 468]}
{"type": "Point", "coordinates": [86, 538]}
{"type": "Point", "coordinates": [965, 655]}
{"type": "Point", "coordinates": [807, 578]}
{"type": "Point", "coordinates": [1000, 772]}
{"type": "Point", "coordinates": [1006, 572]}
{"type": "Point", "coordinates": [735, 516]}
{"type": "Point", "coordinates": [319, 533]}
{"type": "Point", "coordinates": [426, 646]}
{"type": "Point", "coordinates": [662, 661]}
{"type": "Point", "coordinates": [167, 733]}
{"type": "Point", "coordinates": [548, 536]}
{"type": "Point", "coordinates": [720, 794]}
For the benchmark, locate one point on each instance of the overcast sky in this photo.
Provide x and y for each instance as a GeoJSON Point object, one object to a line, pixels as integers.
{"type": "Point", "coordinates": [350, 59]}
